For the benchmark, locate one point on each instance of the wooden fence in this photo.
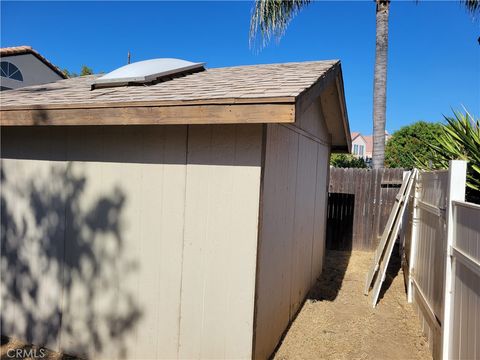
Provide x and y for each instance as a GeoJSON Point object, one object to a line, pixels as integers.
{"type": "Point", "coordinates": [359, 203]}
{"type": "Point", "coordinates": [441, 260]}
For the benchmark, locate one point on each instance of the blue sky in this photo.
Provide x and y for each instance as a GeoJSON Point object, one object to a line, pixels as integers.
{"type": "Point", "coordinates": [434, 56]}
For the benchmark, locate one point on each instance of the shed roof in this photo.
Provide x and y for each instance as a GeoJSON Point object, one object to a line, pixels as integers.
{"type": "Point", "coordinates": [241, 82]}
{"type": "Point", "coordinates": [271, 93]}
{"type": "Point", "coordinates": [22, 50]}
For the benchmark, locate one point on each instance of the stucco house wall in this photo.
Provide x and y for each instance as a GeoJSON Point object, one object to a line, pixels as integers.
{"type": "Point", "coordinates": [34, 71]}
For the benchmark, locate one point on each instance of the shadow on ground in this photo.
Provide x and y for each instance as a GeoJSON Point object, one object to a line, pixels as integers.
{"type": "Point", "coordinates": [330, 282]}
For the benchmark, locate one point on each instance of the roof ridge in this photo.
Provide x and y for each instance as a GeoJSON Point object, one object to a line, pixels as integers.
{"type": "Point", "coordinates": [334, 61]}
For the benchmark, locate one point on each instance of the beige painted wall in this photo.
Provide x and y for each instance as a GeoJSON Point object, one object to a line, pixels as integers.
{"type": "Point", "coordinates": [131, 242]}
{"type": "Point", "coordinates": [293, 219]}
{"type": "Point", "coordinates": [141, 242]}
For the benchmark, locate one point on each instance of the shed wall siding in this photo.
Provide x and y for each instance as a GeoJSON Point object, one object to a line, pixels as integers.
{"type": "Point", "coordinates": [313, 122]}
{"type": "Point", "coordinates": [131, 242]}
{"type": "Point", "coordinates": [220, 242]}
{"type": "Point", "coordinates": [292, 238]}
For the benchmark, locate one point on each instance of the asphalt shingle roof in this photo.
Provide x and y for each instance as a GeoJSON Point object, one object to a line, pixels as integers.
{"type": "Point", "coordinates": [239, 82]}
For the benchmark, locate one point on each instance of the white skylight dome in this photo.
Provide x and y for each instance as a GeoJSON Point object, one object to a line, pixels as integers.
{"type": "Point", "coordinates": [147, 71]}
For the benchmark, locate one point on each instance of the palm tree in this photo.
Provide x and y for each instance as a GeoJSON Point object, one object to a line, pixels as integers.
{"type": "Point", "coordinates": [271, 18]}
{"type": "Point", "coordinates": [380, 84]}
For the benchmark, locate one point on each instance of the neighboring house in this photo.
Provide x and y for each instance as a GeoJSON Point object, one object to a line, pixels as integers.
{"type": "Point", "coordinates": [369, 146]}
{"type": "Point", "coordinates": [362, 145]}
{"type": "Point", "coordinates": [167, 212]}
{"type": "Point", "coordinates": [359, 145]}
{"type": "Point", "coordinates": [22, 66]}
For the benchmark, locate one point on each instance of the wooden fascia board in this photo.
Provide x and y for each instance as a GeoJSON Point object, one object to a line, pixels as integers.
{"type": "Point", "coordinates": [152, 115]}
{"type": "Point", "coordinates": [346, 125]}
{"type": "Point", "coordinates": [153, 103]}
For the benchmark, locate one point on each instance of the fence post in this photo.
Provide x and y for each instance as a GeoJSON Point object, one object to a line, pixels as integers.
{"type": "Point", "coordinates": [457, 173]}
{"type": "Point", "coordinates": [413, 241]}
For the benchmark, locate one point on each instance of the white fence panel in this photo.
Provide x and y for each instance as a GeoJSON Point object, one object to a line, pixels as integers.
{"type": "Point", "coordinates": [428, 254]}
{"type": "Point", "coordinates": [464, 331]}
{"type": "Point", "coordinates": [435, 270]}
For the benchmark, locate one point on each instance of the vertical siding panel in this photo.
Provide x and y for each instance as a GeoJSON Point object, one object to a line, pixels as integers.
{"type": "Point", "coordinates": [172, 226]}
{"type": "Point", "coordinates": [209, 245]}
{"type": "Point", "coordinates": [274, 276]}
{"type": "Point", "coordinates": [242, 260]}
{"type": "Point", "coordinates": [162, 203]}
{"type": "Point", "coordinates": [318, 248]}
{"type": "Point", "coordinates": [33, 194]}
{"type": "Point", "coordinates": [219, 240]}
{"type": "Point", "coordinates": [38, 211]}
{"type": "Point", "coordinates": [304, 221]}
{"type": "Point", "coordinates": [10, 242]}
{"type": "Point", "coordinates": [122, 181]}
{"type": "Point", "coordinates": [196, 241]}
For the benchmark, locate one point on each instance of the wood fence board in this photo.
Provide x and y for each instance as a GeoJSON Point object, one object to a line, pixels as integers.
{"type": "Point", "coordinates": [370, 209]}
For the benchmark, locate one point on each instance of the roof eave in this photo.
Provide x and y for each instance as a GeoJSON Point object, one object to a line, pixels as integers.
{"type": "Point", "coordinates": [332, 77]}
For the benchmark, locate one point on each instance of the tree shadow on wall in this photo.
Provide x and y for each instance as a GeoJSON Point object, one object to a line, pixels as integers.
{"type": "Point", "coordinates": [64, 264]}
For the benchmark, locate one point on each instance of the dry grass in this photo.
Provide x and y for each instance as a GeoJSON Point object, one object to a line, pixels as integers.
{"type": "Point", "coordinates": [338, 322]}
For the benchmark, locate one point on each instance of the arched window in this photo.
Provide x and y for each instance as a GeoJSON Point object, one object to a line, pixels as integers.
{"type": "Point", "coordinates": [10, 71]}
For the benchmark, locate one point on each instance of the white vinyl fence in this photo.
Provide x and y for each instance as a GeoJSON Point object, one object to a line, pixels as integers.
{"type": "Point", "coordinates": [464, 294]}
{"type": "Point", "coordinates": [441, 260]}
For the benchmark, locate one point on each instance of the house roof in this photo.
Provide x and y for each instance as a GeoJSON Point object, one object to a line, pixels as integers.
{"type": "Point", "coordinates": [354, 135]}
{"type": "Point", "coordinates": [22, 50]}
{"type": "Point", "coordinates": [273, 93]}
{"type": "Point", "coordinates": [369, 142]}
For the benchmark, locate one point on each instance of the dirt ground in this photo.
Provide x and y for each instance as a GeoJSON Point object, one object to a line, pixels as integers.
{"type": "Point", "coordinates": [338, 322]}
{"type": "Point", "coordinates": [9, 348]}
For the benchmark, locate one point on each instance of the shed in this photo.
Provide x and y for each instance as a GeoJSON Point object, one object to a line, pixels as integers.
{"type": "Point", "coordinates": [180, 219]}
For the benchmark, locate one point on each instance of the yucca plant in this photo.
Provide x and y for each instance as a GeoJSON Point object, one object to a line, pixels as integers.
{"type": "Point", "coordinates": [459, 140]}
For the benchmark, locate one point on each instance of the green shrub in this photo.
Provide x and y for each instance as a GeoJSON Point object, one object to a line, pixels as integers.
{"type": "Point", "coordinates": [408, 144]}
{"type": "Point", "coordinates": [347, 161]}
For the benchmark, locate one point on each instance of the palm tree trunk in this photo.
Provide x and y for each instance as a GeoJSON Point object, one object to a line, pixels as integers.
{"type": "Point", "coordinates": [380, 84]}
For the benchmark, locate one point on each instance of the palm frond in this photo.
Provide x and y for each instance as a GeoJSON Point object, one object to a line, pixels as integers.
{"type": "Point", "coordinates": [271, 18]}
{"type": "Point", "coordinates": [459, 139]}
{"type": "Point", "coordinates": [472, 6]}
